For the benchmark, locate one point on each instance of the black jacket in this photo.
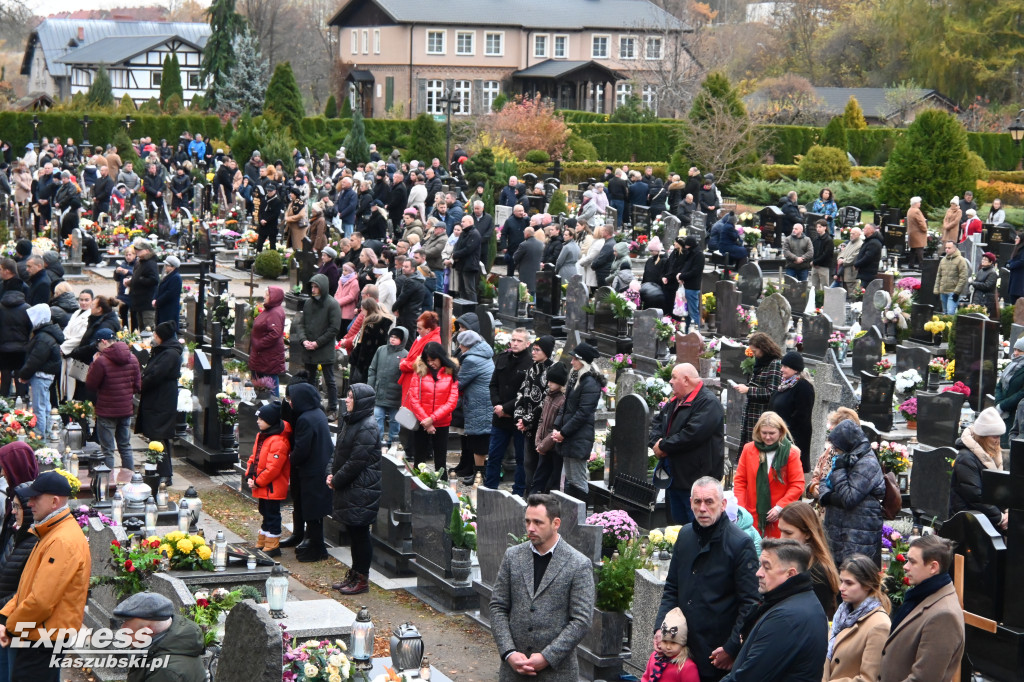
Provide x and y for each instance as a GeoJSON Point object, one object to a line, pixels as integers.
{"type": "Point", "coordinates": [868, 259]}
{"type": "Point", "coordinates": [602, 264]}
{"type": "Point", "coordinates": [509, 373]}
{"type": "Point", "coordinates": [715, 584]}
{"type": "Point", "coordinates": [87, 346]}
{"type": "Point", "coordinates": [168, 298]}
{"type": "Point", "coordinates": [356, 465]}
{"type": "Point", "coordinates": [38, 288]}
{"type": "Point", "coordinates": [693, 435]}
{"type": "Point", "coordinates": [551, 250]}
{"type": "Point", "coordinates": [371, 337]}
{"type": "Point", "coordinates": [102, 188]}
{"type": "Point", "coordinates": [15, 327]}
{"type": "Point", "coordinates": [654, 270]}
{"type": "Point", "coordinates": [575, 421]}
{"type": "Point", "coordinates": [985, 288]}
{"type": "Point", "coordinates": [790, 216]}
{"type": "Point", "coordinates": [824, 250]}
{"type": "Point", "coordinates": [42, 354]}
{"type": "Point", "coordinates": [691, 268]}
{"type": "Point", "coordinates": [409, 301]}
{"type": "Point", "coordinates": [485, 227]}
{"type": "Point", "coordinates": [158, 402]}
{"type": "Point", "coordinates": [794, 406]}
{"type": "Point", "coordinates": [707, 197]}
{"type": "Point", "coordinates": [852, 496]}
{"type": "Point", "coordinates": [145, 278]}
{"type": "Point", "coordinates": [311, 452]}
{"type": "Point", "coordinates": [466, 254]}
{"type": "Point", "coordinates": [16, 549]}
{"type": "Point", "coordinates": [512, 233]}
{"type": "Point", "coordinates": [965, 487]}
{"type": "Point", "coordinates": [398, 197]}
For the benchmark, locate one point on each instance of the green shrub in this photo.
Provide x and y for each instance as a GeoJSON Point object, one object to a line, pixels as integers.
{"type": "Point", "coordinates": [331, 109]}
{"type": "Point", "coordinates": [759, 192]}
{"type": "Point", "coordinates": [581, 149]}
{"type": "Point", "coordinates": [268, 264]}
{"type": "Point", "coordinates": [834, 135]}
{"type": "Point", "coordinates": [824, 164]}
{"type": "Point", "coordinates": [499, 102]}
{"type": "Point", "coordinates": [537, 156]}
{"type": "Point", "coordinates": [557, 204]}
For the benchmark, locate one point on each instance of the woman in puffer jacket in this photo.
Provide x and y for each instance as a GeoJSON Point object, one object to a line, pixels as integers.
{"type": "Point", "coordinates": [852, 494]}
{"type": "Point", "coordinates": [267, 473]}
{"type": "Point", "coordinates": [433, 394]}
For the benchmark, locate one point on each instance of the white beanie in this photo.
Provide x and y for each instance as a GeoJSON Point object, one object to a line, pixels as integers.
{"type": "Point", "coordinates": [989, 423]}
{"type": "Point", "coordinates": [38, 315]}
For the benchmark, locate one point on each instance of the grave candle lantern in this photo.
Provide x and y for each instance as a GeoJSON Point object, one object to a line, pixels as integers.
{"type": "Point", "coordinates": [277, 592]}
{"type": "Point", "coordinates": [362, 638]}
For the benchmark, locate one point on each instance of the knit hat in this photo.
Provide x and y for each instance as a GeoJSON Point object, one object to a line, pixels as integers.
{"type": "Point", "coordinates": [586, 353]}
{"type": "Point", "coordinates": [989, 423]}
{"type": "Point", "coordinates": [673, 628]}
{"type": "Point", "coordinates": [39, 315]}
{"type": "Point", "coordinates": [793, 360]}
{"type": "Point", "coordinates": [51, 257]}
{"type": "Point", "coordinates": [991, 256]}
{"type": "Point", "coordinates": [621, 249]}
{"type": "Point", "coordinates": [558, 373]}
{"type": "Point", "coordinates": [270, 413]}
{"type": "Point", "coordinates": [654, 246]}
{"type": "Point", "coordinates": [23, 247]}
{"type": "Point", "coordinates": [469, 338]}
{"type": "Point", "coordinates": [1019, 344]}
{"type": "Point", "coordinates": [710, 177]}
{"type": "Point", "coordinates": [330, 252]}
{"type": "Point", "coordinates": [398, 332]}
{"type": "Point", "coordinates": [546, 343]}
{"type": "Point", "coordinates": [166, 330]}
{"type": "Point", "coordinates": [173, 261]}
{"type": "Point", "coordinates": [955, 201]}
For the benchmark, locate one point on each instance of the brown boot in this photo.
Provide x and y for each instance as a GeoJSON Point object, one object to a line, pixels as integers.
{"type": "Point", "coordinates": [360, 584]}
{"type": "Point", "coordinates": [261, 540]}
{"type": "Point", "coordinates": [272, 546]}
{"type": "Point", "coordinates": [349, 577]}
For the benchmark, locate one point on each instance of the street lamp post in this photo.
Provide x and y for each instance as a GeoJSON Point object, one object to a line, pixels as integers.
{"type": "Point", "coordinates": [1017, 129]}
{"type": "Point", "coordinates": [449, 98]}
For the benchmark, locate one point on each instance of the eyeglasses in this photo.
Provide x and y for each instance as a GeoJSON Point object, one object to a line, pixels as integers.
{"type": "Point", "coordinates": [16, 507]}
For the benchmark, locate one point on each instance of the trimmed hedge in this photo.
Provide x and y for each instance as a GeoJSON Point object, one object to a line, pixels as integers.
{"type": "Point", "coordinates": [631, 142]}
{"type": "Point", "coordinates": [574, 172]}
{"type": "Point", "coordinates": [17, 126]}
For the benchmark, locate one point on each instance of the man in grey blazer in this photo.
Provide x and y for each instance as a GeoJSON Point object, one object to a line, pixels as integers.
{"type": "Point", "coordinates": [544, 594]}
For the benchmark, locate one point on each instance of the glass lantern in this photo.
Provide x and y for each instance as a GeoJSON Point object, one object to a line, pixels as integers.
{"type": "Point", "coordinates": [194, 503]}
{"type": "Point", "coordinates": [406, 648]}
{"type": "Point", "coordinates": [117, 508]}
{"type": "Point", "coordinates": [277, 594]}
{"type": "Point", "coordinates": [100, 483]}
{"type": "Point", "coordinates": [161, 497]}
{"type": "Point", "coordinates": [184, 516]}
{"type": "Point", "coordinates": [361, 649]}
{"type": "Point", "coordinates": [152, 513]}
{"type": "Point", "coordinates": [220, 553]}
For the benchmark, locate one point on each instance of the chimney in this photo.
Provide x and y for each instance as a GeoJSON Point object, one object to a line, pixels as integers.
{"type": "Point", "coordinates": [81, 33]}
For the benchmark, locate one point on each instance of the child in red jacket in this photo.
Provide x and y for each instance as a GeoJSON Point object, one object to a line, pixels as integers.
{"type": "Point", "coordinates": [267, 474]}
{"type": "Point", "coordinates": [670, 661]}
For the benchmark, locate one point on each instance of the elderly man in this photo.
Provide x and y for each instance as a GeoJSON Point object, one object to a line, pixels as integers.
{"type": "Point", "coordinates": [712, 579]}
{"type": "Point", "coordinates": [511, 193]}
{"type": "Point", "coordinates": [846, 276]}
{"type": "Point", "coordinates": [528, 258]}
{"type": "Point", "coordinates": [173, 643]}
{"type": "Point", "coordinates": [38, 281]}
{"type": "Point", "coordinates": [917, 233]}
{"type": "Point", "coordinates": [512, 235]}
{"type": "Point", "coordinates": [951, 278]}
{"type": "Point", "coordinates": [485, 228]}
{"type": "Point", "coordinates": [799, 252]}
{"type": "Point", "coordinates": [464, 257]}
{"type": "Point", "coordinates": [870, 256]}
{"type": "Point", "coordinates": [789, 639]}
{"type": "Point", "coordinates": [689, 433]}
{"type": "Point", "coordinates": [432, 248]}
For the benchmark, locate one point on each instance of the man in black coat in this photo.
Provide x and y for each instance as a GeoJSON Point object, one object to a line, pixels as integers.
{"type": "Point", "coordinates": [602, 265]}
{"type": "Point", "coordinates": [689, 431]}
{"type": "Point", "coordinates": [311, 452]}
{"type": "Point", "coordinates": [528, 259]}
{"type": "Point", "coordinates": [512, 235]}
{"type": "Point", "coordinates": [870, 255]}
{"type": "Point", "coordinates": [691, 269]}
{"type": "Point", "coordinates": [509, 372]}
{"type": "Point", "coordinates": [712, 579]}
{"type": "Point", "coordinates": [791, 215]}
{"type": "Point", "coordinates": [465, 261]}
{"type": "Point", "coordinates": [789, 637]}
{"type": "Point", "coordinates": [101, 190]}
{"type": "Point", "coordinates": [38, 281]}
{"type": "Point", "coordinates": [270, 216]}
{"type": "Point", "coordinates": [142, 287]}
{"type": "Point", "coordinates": [485, 228]}
{"type": "Point", "coordinates": [409, 300]}
{"type": "Point", "coordinates": [398, 197]}
{"type": "Point", "coordinates": [158, 402]}
{"type": "Point", "coordinates": [824, 250]}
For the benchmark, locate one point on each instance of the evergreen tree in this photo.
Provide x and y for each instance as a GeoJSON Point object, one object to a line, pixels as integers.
{"type": "Point", "coordinates": [346, 107]}
{"type": "Point", "coordinates": [245, 83]}
{"type": "Point", "coordinates": [125, 149]}
{"type": "Point", "coordinates": [356, 147]}
{"type": "Point", "coordinates": [283, 97]}
{"type": "Point", "coordinates": [170, 80]}
{"type": "Point", "coordinates": [426, 139]}
{"type": "Point", "coordinates": [835, 135]}
{"type": "Point", "coordinates": [931, 161]}
{"type": "Point", "coordinates": [126, 105]}
{"type": "Point", "coordinates": [219, 53]}
{"type": "Point", "coordinates": [100, 93]}
{"type": "Point", "coordinates": [716, 87]}
{"type": "Point", "coordinates": [853, 115]}
{"type": "Point", "coordinates": [331, 110]}
{"type": "Point", "coordinates": [173, 105]}
{"type": "Point", "coordinates": [198, 103]}
{"type": "Point", "coordinates": [557, 204]}
{"type": "Point", "coordinates": [480, 168]}
{"type": "Point", "coordinates": [151, 106]}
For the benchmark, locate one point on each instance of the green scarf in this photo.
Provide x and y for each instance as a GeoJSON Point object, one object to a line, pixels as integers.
{"type": "Point", "coordinates": [764, 491]}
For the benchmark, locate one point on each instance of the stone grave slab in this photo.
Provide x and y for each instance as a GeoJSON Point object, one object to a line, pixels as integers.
{"type": "Point", "coordinates": [871, 314]}
{"type": "Point", "coordinates": [938, 417]}
{"type": "Point", "coordinates": [392, 531]}
{"type": "Point", "coordinates": [750, 283]}
{"type": "Point", "coordinates": [796, 292]}
{"type": "Point", "coordinates": [835, 305]}
{"type": "Point", "coordinates": [732, 355]}
{"type": "Point", "coordinates": [508, 299]}
{"type": "Point", "coordinates": [867, 351]}
{"type": "Point", "coordinates": [688, 348]}
{"type": "Point", "coordinates": [774, 317]}
{"type": "Point", "coordinates": [647, 591]}
{"type": "Point", "coordinates": [646, 345]}
{"type": "Point", "coordinates": [920, 315]}
{"type": "Point", "coordinates": [912, 357]}
{"type": "Point", "coordinates": [929, 483]}
{"type": "Point", "coordinates": [929, 271]}
{"type": "Point", "coordinates": [876, 400]}
{"type": "Point", "coordinates": [576, 296]}
{"type": "Point", "coordinates": [727, 298]}
{"type": "Point", "coordinates": [629, 438]}
{"type": "Point", "coordinates": [976, 355]}
{"type": "Point", "coordinates": [253, 649]}
{"type": "Point", "coordinates": [817, 330]}
{"type": "Point", "coordinates": [317, 619]}
{"type": "Point", "coordinates": [486, 320]}
{"type": "Point", "coordinates": [670, 231]}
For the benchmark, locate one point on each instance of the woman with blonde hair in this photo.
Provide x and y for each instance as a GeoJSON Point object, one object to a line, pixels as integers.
{"type": "Point", "coordinates": [979, 449]}
{"type": "Point", "coordinates": [769, 475]}
{"type": "Point", "coordinates": [860, 625]}
{"type": "Point", "coordinates": [824, 464]}
{"type": "Point", "coordinates": [798, 521]}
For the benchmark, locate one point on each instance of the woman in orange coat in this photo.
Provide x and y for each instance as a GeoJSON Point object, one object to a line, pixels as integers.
{"type": "Point", "coordinates": [769, 475]}
{"type": "Point", "coordinates": [433, 394]}
{"type": "Point", "coordinates": [267, 474]}
{"type": "Point", "coordinates": [428, 329]}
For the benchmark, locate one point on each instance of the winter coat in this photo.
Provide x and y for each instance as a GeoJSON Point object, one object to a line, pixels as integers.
{"type": "Point", "coordinates": [355, 470]}
{"type": "Point", "coordinates": [527, 259]}
{"type": "Point", "coordinates": [115, 376]}
{"type": "Point", "coordinates": [869, 257]}
{"type": "Point", "coordinates": [15, 326]}
{"type": "Point", "coordinates": [602, 265]}
{"type": "Point", "coordinates": [531, 396]}
{"type": "Point", "coordinates": [849, 252]}
{"type": "Point", "coordinates": [917, 228]}
{"type": "Point", "coordinates": [467, 251]}
{"type": "Point", "coordinates": [984, 286]}
{"type": "Point", "coordinates": [857, 654]}
{"type": "Point", "coordinates": [158, 403]}
{"type": "Point", "coordinates": [692, 434]}
{"type": "Point", "coordinates": [852, 496]}
{"type": "Point", "coordinates": [951, 225]}
{"type": "Point", "coordinates": [785, 486]}
{"type": "Point", "coordinates": [965, 486]}
{"type": "Point", "coordinates": [824, 250]}
{"type": "Point", "coordinates": [384, 374]}
{"type": "Point", "coordinates": [475, 372]}
{"type": "Point", "coordinates": [347, 297]}
{"type": "Point", "coordinates": [566, 265]}
{"type": "Point", "coordinates": [181, 649]}
{"type": "Point", "coordinates": [269, 464]}
{"type": "Point", "coordinates": [142, 288]}
{"type": "Point", "coordinates": [409, 303]}
{"type": "Point", "coordinates": [927, 645]}
{"type": "Point", "coordinates": [66, 302]}
{"type": "Point", "coordinates": [586, 261]}
{"type": "Point", "coordinates": [15, 553]}
{"type": "Point", "coordinates": [38, 288]}
{"type": "Point", "coordinates": [729, 240]}
{"type": "Point", "coordinates": [311, 452]}
{"type": "Point", "coordinates": [318, 321]}
{"type": "Point", "coordinates": [371, 337]}
{"type": "Point", "coordinates": [168, 298]}
{"type": "Point", "coordinates": [764, 382]}
{"type": "Point", "coordinates": [794, 247]}
{"type": "Point", "coordinates": [333, 275]}
{"type": "Point", "coordinates": [715, 585]}
{"type": "Point", "coordinates": [576, 420]}
{"type": "Point", "coordinates": [509, 374]}
{"type": "Point", "coordinates": [794, 405]}
{"type": "Point", "coordinates": [952, 275]}
{"type": "Point", "coordinates": [690, 268]}
{"type": "Point", "coordinates": [1015, 289]}
{"type": "Point", "coordinates": [745, 522]}
{"type": "Point", "coordinates": [653, 269]}
{"type": "Point", "coordinates": [42, 355]}
{"type": "Point", "coordinates": [87, 347]}
{"type": "Point", "coordinates": [552, 405]}
{"type": "Point", "coordinates": [266, 342]}
{"type": "Point", "coordinates": [433, 395]}
{"type": "Point", "coordinates": [408, 363]}
{"type": "Point", "coordinates": [672, 673]}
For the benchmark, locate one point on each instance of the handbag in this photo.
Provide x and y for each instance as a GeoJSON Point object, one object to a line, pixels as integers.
{"type": "Point", "coordinates": [407, 419]}
{"type": "Point", "coordinates": [892, 503]}
{"type": "Point", "coordinates": [77, 369]}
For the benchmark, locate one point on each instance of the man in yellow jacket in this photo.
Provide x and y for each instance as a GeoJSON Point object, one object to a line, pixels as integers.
{"type": "Point", "coordinates": [54, 584]}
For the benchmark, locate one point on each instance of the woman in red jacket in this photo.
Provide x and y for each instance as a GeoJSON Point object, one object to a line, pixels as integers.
{"type": "Point", "coordinates": [769, 474]}
{"type": "Point", "coordinates": [428, 328]}
{"type": "Point", "coordinates": [266, 347]}
{"type": "Point", "coordinates": [433, 394]}
{"type": "Point", "coordinates": [267, 473]}
{"type": "Point", "coordinates": [972, 224]}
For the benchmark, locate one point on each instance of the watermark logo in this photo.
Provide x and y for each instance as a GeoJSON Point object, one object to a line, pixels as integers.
{"type": "Point", "coordinates": [90, 648]}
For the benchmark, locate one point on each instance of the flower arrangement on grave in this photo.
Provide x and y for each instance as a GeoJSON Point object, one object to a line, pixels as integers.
{"type": "Point", "coordinates": [595, 463]}
{"type": "Point", "coordinates": [130, 337]}
{"type": "Point", "coordinates": [263, 384]}
{"type": "Point", "coordinates": [663, 541]}
{"type": "Point", "coordinates": [249, 236]}
{"type": "Point", "coordinates": [615, 578]}
{"type": "Point", "coordinates": [502, 340]}
{"type": "Point", "coordinates": [429, 478]}
{"type": "Point", "coordinates": [665, 328]}
{"type": "Point", "coordinates": [751, 235]}
{"type": "Point", "coordinates": [461, 532]}
{"type": "Point", "coordinates": [73, 481]}
{"type": "Point", "coordinates": [315, 661]}
{"type": "Point", "coordinates": [132, 566]}
{"type": "Point", "coordinates": [746, 218]}
{"type": "Point", "coordinates": [186, 552]}
{"type": "Point", "coordinates": [656, 392]}
{"type": "Point", "coordinates": [621, 362]}
{"type": "Point", "coordinates": [155, 452]}
{"type": "Point", "coordinates": [950, 370]}
{"type": "Point", "coordinates": [908, 408]}
{"type": "Point", "coordinates": [934, 239]}
{"type": "Point", "coordinates": [908, 381]}
{"type": "Point", "coordinates": [883, 366]}
{"type": "Point", "coordinates": [837, 340]}
{"type": "Point", "coordinates": [227, 409]}
{"type": "Point", "coordinates": [638, 245]}
{"type": "Point", "coordinates": [75, 410]}
{"type": "Point", "coordinates": [210, 609]}
{"type": "Point", "coordinates": [908, 284]}
{"type": "Point", "coordinates": [748, 316]}
{"type": "Point", "coordinates": [857, 294]}
{"type": "Point", "coordinates": [972, 308]}
{"type": "Point", "coordinates": [938, 364]}
{"type": "Point", "coordinates": [895, 582]}
{"type": "Point", "coordinates": [708, 303]}
{"type": "Point", "coordinates": [892, 456]}
{"type": "Point", "coordinates": [85, 513]}
{"type": "Point", "coordinates": [524, 293]}
{"type": "Point", "coordinates": [15, 423]}
{"type": "Point", "coordinates": [616, 525]}
{"type": "Point", "coordinates": [658, 227]}
{"type": "Point", "coordinates": [47, 457]}
{"type": "Point", "coordinates": [621, 307]}
{"type": "Point", "coordinates": [222, 309]}
{"type": "Point", "coordinates": [711, 349]}
{"type": "Point", "coordinates": [43, 244]}
{"type": "Point", "coordinates": [958, 387]}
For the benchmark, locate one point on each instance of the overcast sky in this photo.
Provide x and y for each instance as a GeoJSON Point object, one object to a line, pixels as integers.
{"type": "Point", "coordinates": [47, 7]}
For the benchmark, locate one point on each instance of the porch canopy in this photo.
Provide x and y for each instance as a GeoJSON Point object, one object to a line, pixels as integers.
{"type": "Point", "coordinates": [569, 84]}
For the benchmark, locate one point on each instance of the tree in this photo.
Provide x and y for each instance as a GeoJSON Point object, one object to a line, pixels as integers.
{"type": "Point", "coordinates": [356, 147]}
{"type": "Point", "coordinates": [125, 150]}
{"type": "Point", "coordinates": [245, 83]}
{"type": "Point", "coordinates": [331, 110]}
{"type": "Point", "coordinates": [219, 53]}
{"type": "Point", "coordinates": [719, 142]}
{"type": "Point", "coordinates": [266, 134]}
{"type": "Point", "coordinates": [346, 107]}
{"type": "Point", "coordinates": [900, 99]}
{"type": "Point", "coordinates": [633, 110]}
{"type": "Point", "coordinates": [557, 204]}
{"type": "Point", "coordinates": [126, 105]}
{"type": "Point", "coordinates": [170, 79]}
{"type": "Point", "coordinates": [426, 140]}
{"type": "Point", "coordinates": [789, 100]}
{"type": "Point", "coordinates": [480, 168]}
{"type": "Point", "coordinates": [824, 164]}
{"type": "Point", "coordinates": [835, 135]}
{"type": "Point", "coordinates": [853, 115]}
{"type": "Point", "coordinates": [283, 97]}
{"type": "Point", "coordinates": [173, 105]}
{"type": "Point", "coordinates": [716, 88]}
{"type": "Point", "coordinates": [529, 123]}
{"type": "Point", "coordinates": [100, 93]}
{"type": "Point", "coordinates": [931, 161]}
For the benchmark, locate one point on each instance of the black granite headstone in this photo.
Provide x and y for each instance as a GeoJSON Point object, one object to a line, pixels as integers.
{"type": "Point", "coordinates": [929, 482]}
{"type": "Point", "coordinates": [920, 315]}
{"type": "Point", "coordinates": [938, 417]}
{"type": "Point", "coordinates": [976, 355]}
{"type": "Point", "coordinates": [817, 330]}
{"type": "Point", "coordinates": [629, 437]}
{"type": "Point", "coordinates": [929, 271]}
{"type": "Point", "coordinates": [876, 400]}
{"type": "Point", "coordinates": [750, 283]}
{"type": "Point", "coordinates": [867, 351]}
{"type": "Point", "coordinates": [727, 300]}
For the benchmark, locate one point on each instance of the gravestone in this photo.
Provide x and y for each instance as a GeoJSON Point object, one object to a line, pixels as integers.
{"type": "Point", "coordinates": [647, 591]}
{"type": "Point", "coordinates": [735, 405]}
{"type": "Point", "coordinates": [486, 320]}
{"type": "Point", "coordinates": [727, 300]}
{"type": "Point", "coordinates": [645, 341]}
{"type": "Point", "coordinates": [817, 330]}
{"type": "Point", "coordinates": [732, 355]}
{"type": "Point", "coordinates": [985, 576]}
{"type": "Point", "coordinates": [1004, 489]}
{"type": "Point", "coordinates": [242, 330]}
{"type": "Point", "coordinates": [1004, 284]}
{"type": "Point", "coordinates": [431, 514]}
{"type": "Point", "coordinates": [938, 417]}
{"type": "Point", "coordinates": [306, 265]}
{"type": "Point", "coordinates": [929, 271]}
{"type": "Point", "coordinates": [392, 531]}
{"type": "Point", "coordinates": [750, 283]}
{"type": "Point", "coordinates": [670, 231]}
{"type": "Point", "coordinates": [871, 314]}
{"type": "Point", "coordinates": [895, 239]}
{"type": "Point", "coordinates": [698, 220]}
{"type": "Point", "coordinates": [911, 357]}
{"type": "Point", "coordinates": [73, 266]}
{"type": "Point", "coordinates": [629, 438]}
{"type": "Point", "coordinates": [253, 648]}
{"type": "Point", "coordinates": [576, 297]}
{"type": "Point", "coordinates": [708, 281]}
{"type": "Point", "coordinates": [627, 384]}
{"type": "Point", "coordinates": [930, 481]}
{"type": "Point", "coordinates": [876, 400]}
{"type": "Point", "coordinates": [499, 514]}
{"type": "Point", "coordinates": [976, 355]}
{"type": "Point", "coordinates": [203, 249]}
{"type": "Point", "coordinates": [826, 399]}
{"type": "Point", "coordinates": [688, 348]}
{"type": "Point", "coordinates": [835, 305]}
{"type": "Point", "coordinates": [797, 293]}
{"type": "Point", "coordinates": [831, 372]}
{"type": "Point", "coordinates": [508, 299]}
{"type": "Point", "coordinates": [920, 315]}
{"type": "Point", "coordinates": [443, 307]}
{"type": "Point", "coordinates": [609, 331]}
{"type": "Point", "coordinates": [848, 216]}
{"type": "Point", "coordinates": [547, 310]}
{"type": "Point", "coordinates": [774, 317]}
{"type": "Point", "coordinates": [867, 351]}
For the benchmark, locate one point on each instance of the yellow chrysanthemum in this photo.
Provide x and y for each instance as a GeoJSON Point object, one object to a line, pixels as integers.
{"type": "Point", "coordinates": [204, 552]}
{"type": "Point", "coordinates": [175, 535]}
{"type": "Point", "coordinates": [197, 540]}
{"type": "Point", "coordinates": [151, 538]}
{"type": "Point", "coordinates": [184, 546]}
{"type": "Point", "coordinates": [156, 446]}
{"type": "Point", "coordinates": [167, 550]}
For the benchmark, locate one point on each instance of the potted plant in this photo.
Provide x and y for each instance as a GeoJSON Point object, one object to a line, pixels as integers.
{"type": "Point", "coordinates": [617, 526]}
{"type": "Point", "coordinates": [622, 310]}
{"type": "Point", "coordinates": [462, 532]}
{"type": "Point", "coordinates": [837, 342]}
{"type": "Point", "coordinates": [892, 456]}
{"type": "Point", "coordinates": [709, 359]}
{"type": "Point", "coordinates": [883, 366]}
{"type": "Point", "coordinates": [154, 455]}
{"type": "Point", "coordinates": [486, 292]}
{"type": "Point", "coordinates": [708, 306]}
{"type": "Point", "coordinates": [614, 595]}
{"type": "Point", "coordinates": [595, 465]}
{"type": "Point", "coordinates": [227, 412]}
{"type": "Point", "coordinates": [908, 408]}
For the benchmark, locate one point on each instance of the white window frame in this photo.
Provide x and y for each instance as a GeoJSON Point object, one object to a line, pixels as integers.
{"type": "Point", "coordinates": [634, 40]}
{"type": "Point", "coordinates": [607, 45]}
{"type": "Point", "coordinates": [565, 45]}
{"type": "Point", "coordinates": [649, 97]}
{"type": "Point", "coordinates": [546, 38]}
{"type": "Point", "coordinates": [622, 93]}
{"type": "Point", "coordinates": [647, 48]}
{"type": "Point", "coordinates": [463, 89]}
{"type": "Point", "coordinates": [198, 82]}
{"type": "Point", "coordinates": [376, 41]}
{"type": "Point", "coordinates": [472, 43]}
{"type": "Point", "coordinates": [365, 38]}
{"type": "Point", "coordinates": [501, 44]}
{"type": "Point", "coordinates": [444, 41]}
{"type": "Point", "coordinates": [355, 41]}
{"type": "Point", "coordinates": [491, 91]}
{"type": "Point", "coordinates": [599, 99]}
{"type": "Point", "coordinates": [434, 92]}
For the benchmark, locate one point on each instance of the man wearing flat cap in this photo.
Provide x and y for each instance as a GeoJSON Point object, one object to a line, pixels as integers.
{"type": "Point", "coordinates": [54, 583]}
{"type": "Point", "coordinates": [175, 643]}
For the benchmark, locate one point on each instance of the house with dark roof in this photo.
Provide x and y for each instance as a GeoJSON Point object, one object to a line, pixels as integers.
{"type": "Point", "coordinates": [582, 54]}
{"type": "Point", "coordinates": [62, 56]}
{"type": "Point", "coordinates": [879, 109]}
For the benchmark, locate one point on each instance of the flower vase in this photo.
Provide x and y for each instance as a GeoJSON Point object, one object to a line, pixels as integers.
{"type": "Point", "coordinates": [227, 440]}
{"type": "Point", "coordinates": [597, 474]}
{"type": "Point", "coordinates": [912, 424]}
{"type": "Point", "coordinates": [151, 478]}
{"type": "Point", "coordinates": [462, 564]}
{"type": "Point", "coordinates": [606, 631]}
{"type": "Point", "coordinates": [708, 367]}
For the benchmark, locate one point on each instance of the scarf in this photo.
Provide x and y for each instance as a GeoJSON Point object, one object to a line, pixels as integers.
{"type": "Point", "coordinates": [660, 663]}
{"type": "Point", "coordinates": [993, 463]}
{"type": "Point", "coordinates": [918, 594]}
{"type": "Point", "coordinates": [787, 384]}
{"type": "Point", "coordinates": [345, 279]}
{"type": "Point", "coordinates": [704, 534]}
{"type": "Point", "coordinates": [799, 583]}
{"type": "Point", "coordinates": [764, 491]}
{"type": "Point", "coordinates": [1009, 371]}
{"type": "Point", "coordinates": [845, 618]}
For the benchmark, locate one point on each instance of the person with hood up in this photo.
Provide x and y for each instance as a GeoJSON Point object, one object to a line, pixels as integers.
{"type": "Point", "coordinates": [177, 642]}
{"type": "Point", "coordinates": [743, 520]}
{"type": "Point", "coordinates": [267, 474]}
{"type": "Point", "coordinates": [476, 368]}
{"type": "Point", "coordinates": [266, 347]}
{"type": "Point", "coordinates": [15, 331]}
{"type": "Point", "coordinates": [530, 398]}
{"type": "Point", "coordinates": [115, 377]}
{"type": "Point", "coordinates": [433, 395]}
{"type": "Point", "coordinates": [574, 426]}
{"type": "Point", "coordinates": [15, 548]}
{"type": "Point", "coordinates": [383, 377]}
{"type": "Point", "coordinates": [310, 457]}
{"type": "Point", "coordinates": [168, 293]}
{"type": "Point", "coordinates": [622, 269]}
{"type": "Point", "coordinates": [42, 364]}
{"type": "Point", "coordinates": [549, 465]}
{"type": "Point", "coordinates": [355, 479]}
{"type": "Point", "coordinates": [317, 327]}
{"type": "Point", "coordinates": [852, 494]}
{"type": "Point", "coordinates": [158, 402]}
{"type": "Point", "coordinates": [979, 450]}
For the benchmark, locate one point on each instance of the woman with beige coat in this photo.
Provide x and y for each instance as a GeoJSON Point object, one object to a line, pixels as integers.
{"type": "Point", "coordinates": [951, 222]}
{"type": "Point", "coordinates": [860, 625]}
